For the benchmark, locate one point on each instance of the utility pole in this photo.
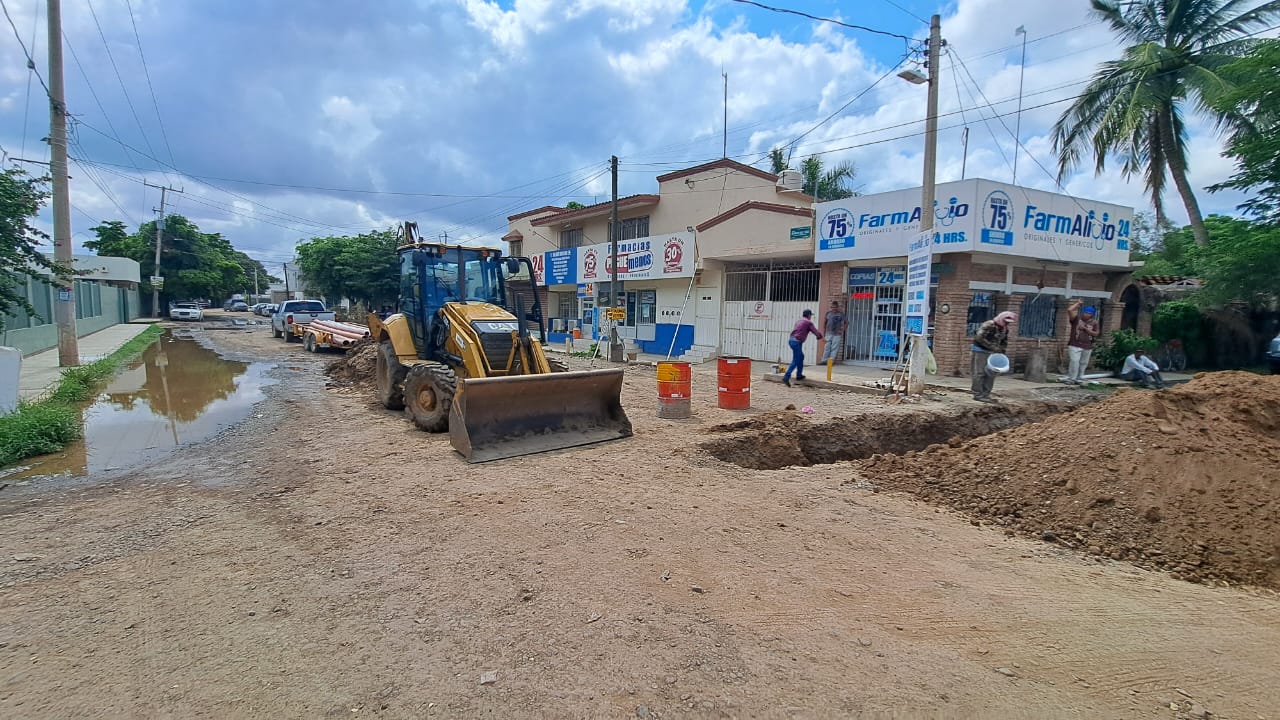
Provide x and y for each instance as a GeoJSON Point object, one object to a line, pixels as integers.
{"type": "Point", "coordinates": [1017, 133]}
{"type": "Point", "coordinates": [725, 149]}
{"type": "Point", "coordinates": [255, 283]}
{"type": "Point", "coordinates": [287, 294]}
{"type": "Point", "coordinates": [915, 374]}
{"type": "Point", "coordinates": [64, 311]}
{"type": "Point", "coordinates": [615, 346]}
{"type": "Point", "coordinates": [155, 291]}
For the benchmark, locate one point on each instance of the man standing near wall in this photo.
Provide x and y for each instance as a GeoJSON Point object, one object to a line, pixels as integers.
{"type": "Point", "coordinates": [1084, 329]}
{"type": "Point", "coordinates": [833, 325]}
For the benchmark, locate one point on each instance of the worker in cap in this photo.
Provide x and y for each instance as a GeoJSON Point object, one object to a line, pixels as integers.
{"type": "Point", "coordinates": [1084, 330]}
{"type": "Point", "coordinates": [992, 337]}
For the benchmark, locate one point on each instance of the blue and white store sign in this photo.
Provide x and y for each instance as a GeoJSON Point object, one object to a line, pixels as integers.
{"type": "Point", "coordinates": [977, 216]}
{"type": "Point", "coordinates": [561, 267]}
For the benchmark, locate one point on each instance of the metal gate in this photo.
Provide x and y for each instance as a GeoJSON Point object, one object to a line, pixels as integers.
{"type": "Point", "coordinates": [875, 315]}
{"type": "Point", "coordinates": [761, 306]}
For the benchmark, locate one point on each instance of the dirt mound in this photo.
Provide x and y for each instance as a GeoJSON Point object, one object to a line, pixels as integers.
{"type": "Point", "coordinates": [358, 366]}
{"type": "Point", "coordinates": [1186, 479]}
{"type": "Point", "coordinates": [777, 440]}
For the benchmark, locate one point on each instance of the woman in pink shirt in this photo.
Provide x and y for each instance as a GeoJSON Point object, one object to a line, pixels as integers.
{"type": "Point", "coordinates": [804, 326]}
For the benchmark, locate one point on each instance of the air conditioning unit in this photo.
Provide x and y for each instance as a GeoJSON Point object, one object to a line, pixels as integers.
{"type": "Point", "coordinates": [790, 180]}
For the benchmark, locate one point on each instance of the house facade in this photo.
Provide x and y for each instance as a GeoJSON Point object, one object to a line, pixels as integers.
{"type": "Point", "coordinates": [106, 293]}
{"type": "Point", "coordinates": [694, 261]}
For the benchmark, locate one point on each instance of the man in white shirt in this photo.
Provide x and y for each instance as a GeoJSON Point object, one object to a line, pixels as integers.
{"type": "Point", "coordinates": [1141, 369]}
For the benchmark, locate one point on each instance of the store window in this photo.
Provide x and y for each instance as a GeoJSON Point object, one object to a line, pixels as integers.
{"type": "Point", "coordinates": [1038, 317]}
{"type": "Point", "coordinates": [566, 305]}
{"type": "Point", "coordinates": [981, 309]}
{"type": "Point", "coordinates": [633, 228]}
{"type": "Point", "coordinates": [515, 248]}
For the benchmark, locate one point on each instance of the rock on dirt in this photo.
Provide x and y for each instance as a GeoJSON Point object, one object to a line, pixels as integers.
{"type": "Point", "coordinates": [1186, 480]}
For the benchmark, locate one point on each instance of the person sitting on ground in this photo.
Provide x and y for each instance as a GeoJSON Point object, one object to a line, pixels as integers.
{"type": "Point", "coordinates": [992, 337]}
{"type": "Point", "coordinates": [1141, 369]}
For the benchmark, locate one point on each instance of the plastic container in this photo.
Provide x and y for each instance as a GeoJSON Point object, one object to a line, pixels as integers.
{"type": "Point", "coordinates": [998, 364]}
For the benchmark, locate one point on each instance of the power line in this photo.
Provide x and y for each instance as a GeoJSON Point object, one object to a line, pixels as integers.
{"type": "Point", "coordinates": [31, 64]}
{"type": "Point", "coordinates": [94, 94]}
{"type": "Point", "coordinates": [120, 78]}
{"type": "Point", "coordinates": [891, 2]}
{"type": "Point", "coordinates": [827, 20]}
{"type": "Point", "coordinates": [147, 73]}
{"type": "Point", "coordinates": [26, 109]}
{"type": "Point", "coordinates": [852, 100]}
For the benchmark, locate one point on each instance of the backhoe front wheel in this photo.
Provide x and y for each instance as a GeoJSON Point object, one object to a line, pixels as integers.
{"type": "Point", "coordinates": [428, 396]}
{"type": "Point", "coordinates": [390, 377]}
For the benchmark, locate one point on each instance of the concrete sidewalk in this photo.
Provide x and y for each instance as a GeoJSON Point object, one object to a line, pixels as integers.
{"type": "Point", "coordinates": [40, 372]}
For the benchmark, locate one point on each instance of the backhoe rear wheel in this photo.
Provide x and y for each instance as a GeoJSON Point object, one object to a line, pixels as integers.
{"type": "Point", "coordinates": [557, 365]}
{"type": "Point", "coordinates": [390, 377]}
{"type": "Point", "coordinates": [428, 395]}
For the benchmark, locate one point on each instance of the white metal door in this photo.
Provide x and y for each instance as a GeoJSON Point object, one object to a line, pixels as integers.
{"type": "Point", "coordinates": [765, 338]}
{"type": "Point", "coordinates": [706, 327]}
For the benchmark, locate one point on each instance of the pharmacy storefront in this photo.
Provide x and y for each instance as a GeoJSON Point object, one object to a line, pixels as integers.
{"type": "Point", "coordinates": [989, 239]}
{"type": "Point", "coordinates": [655, 274]}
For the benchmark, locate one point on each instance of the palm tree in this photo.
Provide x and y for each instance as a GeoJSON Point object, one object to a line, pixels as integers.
{"type": "Point", "coordinates": [1133, 107]}
{"type": "Point", "coordinates": [819, 183]}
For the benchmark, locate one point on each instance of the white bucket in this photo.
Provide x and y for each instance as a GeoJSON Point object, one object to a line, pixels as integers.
{"type": "Point", "coordinates": [997, 364]}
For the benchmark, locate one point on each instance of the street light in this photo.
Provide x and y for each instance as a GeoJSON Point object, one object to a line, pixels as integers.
{"type": "Point", "coordinates": [913, 77]}
{"type": "Point", "coordinates": [1017, 140]}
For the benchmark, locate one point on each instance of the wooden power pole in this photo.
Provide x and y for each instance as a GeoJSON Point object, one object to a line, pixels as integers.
{"type": "Point", "coordinates": [64, 310]}
{"type": "Point", "coordinates": [155, 273]}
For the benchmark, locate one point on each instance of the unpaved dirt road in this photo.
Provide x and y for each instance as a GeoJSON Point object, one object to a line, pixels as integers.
{"type": "Point", "coordinates": [324, 559]}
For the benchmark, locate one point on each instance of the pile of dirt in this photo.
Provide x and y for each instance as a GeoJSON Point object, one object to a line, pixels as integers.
{"type": "Point", "coordinates": [772, 441]}
{"type": "Point", "coordinates": [358, 366]}
{"type": "Point", "coordinates": [1186, 480]}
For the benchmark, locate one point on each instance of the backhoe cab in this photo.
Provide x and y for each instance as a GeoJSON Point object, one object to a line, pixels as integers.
{"type": "Point", "coordinates": [461, 355]}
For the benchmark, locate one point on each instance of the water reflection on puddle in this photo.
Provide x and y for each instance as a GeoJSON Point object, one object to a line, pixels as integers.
{"type": "Point", "coordinates": [176, 393]}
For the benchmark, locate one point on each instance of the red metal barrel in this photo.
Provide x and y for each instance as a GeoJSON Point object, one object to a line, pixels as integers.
{"type": "Point", "coordinates": [733, 376]}
{"type": "Point", "coordinates": [675, 390]}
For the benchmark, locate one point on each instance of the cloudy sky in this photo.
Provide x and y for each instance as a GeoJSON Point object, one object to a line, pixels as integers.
{"type": "Point", "coordinates": [287, 120]}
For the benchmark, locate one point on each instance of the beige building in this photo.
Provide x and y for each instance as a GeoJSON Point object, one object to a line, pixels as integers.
{"type": "Point", "coordinates": [719, 261]}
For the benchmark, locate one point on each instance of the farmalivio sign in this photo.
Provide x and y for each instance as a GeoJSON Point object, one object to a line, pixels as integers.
{"type": "Point", "coordinates": [977, 216]}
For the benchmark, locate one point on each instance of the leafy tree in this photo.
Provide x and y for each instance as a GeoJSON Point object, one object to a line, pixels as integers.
{"type": "Point", "coordinates": [363, 268]}
{"type": "Point", "coordinates": [1238, 265]}
{"type": "Point", "coordinates": [1255, 145]}
{"type": "Point", "coordinates": [573, 205]}
{"type": "Point", "coordinates": [820, 182]}
{"type": "Point", "coordinates": [21, 198]}
{"type": "Point", "coordinates": [194, 264]}
{"type": "Point", "coordinates": [1133, 107]}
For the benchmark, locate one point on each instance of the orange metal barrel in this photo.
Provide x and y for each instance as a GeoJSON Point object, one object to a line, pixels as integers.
{"type": "Point", "coordinates": [733, 375]}
{"type": "Point", "coordinates": [675, 390]}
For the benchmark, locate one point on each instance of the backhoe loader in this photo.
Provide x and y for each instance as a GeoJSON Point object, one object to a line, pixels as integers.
{"type": "Point", "coordinates": [460, 355]}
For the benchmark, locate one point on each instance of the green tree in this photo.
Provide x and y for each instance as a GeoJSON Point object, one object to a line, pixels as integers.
{"type": "Point", "coordinates": [1255, 145]}
{"type": "Point", "coordinates": [194, 264]}
{"type": "Point", "coordinates": [363, 268]}
{"type": "Point", "coordinates": [573, 205]}
{"type": "Point", "coordinates": [21, 198]}
{"type": "Point", "coordinates": [821, 183]}
{"type": "Point", "coordinates": [1133, 107]}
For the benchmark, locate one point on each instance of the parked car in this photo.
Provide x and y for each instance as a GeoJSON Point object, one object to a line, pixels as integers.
{"type": "Point", "coordinates": [186, 311]}
{"type": "Point", "coordinates": [270, 310]}
{"type": "Point", "coordinates": [293, 315]}
{"type": "Point", "coordinates": [239, 306]}
{"type": "Point", "coordinates": [1273, 355]}
{"type": "Point", "coordinates": [257, 308]}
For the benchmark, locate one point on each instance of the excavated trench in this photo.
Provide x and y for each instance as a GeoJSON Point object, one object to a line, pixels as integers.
{"type": "Point", "coordinates": [779, 440]}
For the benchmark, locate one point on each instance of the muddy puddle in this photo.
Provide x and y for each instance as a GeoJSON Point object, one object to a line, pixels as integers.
{"type": "Point", "coordinates": [776, 441]}
{"type": "Point", "coordinates": [176, 393]}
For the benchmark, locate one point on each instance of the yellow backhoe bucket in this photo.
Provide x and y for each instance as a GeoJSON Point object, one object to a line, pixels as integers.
{"type": "Point", "coordinates": [502, 417]}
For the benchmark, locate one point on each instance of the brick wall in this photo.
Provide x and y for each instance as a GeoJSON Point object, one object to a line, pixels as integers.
{"type": "Point", "coordinates": [832, 282]}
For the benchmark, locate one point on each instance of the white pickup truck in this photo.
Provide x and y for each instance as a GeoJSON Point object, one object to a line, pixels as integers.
{"type": "Point", "coordinates": [293, 316]}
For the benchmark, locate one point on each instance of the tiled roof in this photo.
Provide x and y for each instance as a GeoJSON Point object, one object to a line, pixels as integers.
{"type": "Point", "coordinates": [589, 211]}
{"type": "Point", "coordinates": [715, 165]}
{"type": "Point", "coordinates": [513, 235]}
{"type": "Point", "coordinates": [527, 213]}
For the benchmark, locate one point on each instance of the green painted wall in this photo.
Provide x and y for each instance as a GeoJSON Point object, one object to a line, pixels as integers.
{"type": "Point", "coordinates": [100, 306]}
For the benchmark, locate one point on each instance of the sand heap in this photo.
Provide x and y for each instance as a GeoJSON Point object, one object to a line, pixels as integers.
{"type": "Point", "coordinates": [358, 366]}
{"type": "Point", "coordinates": [1186, 479]}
